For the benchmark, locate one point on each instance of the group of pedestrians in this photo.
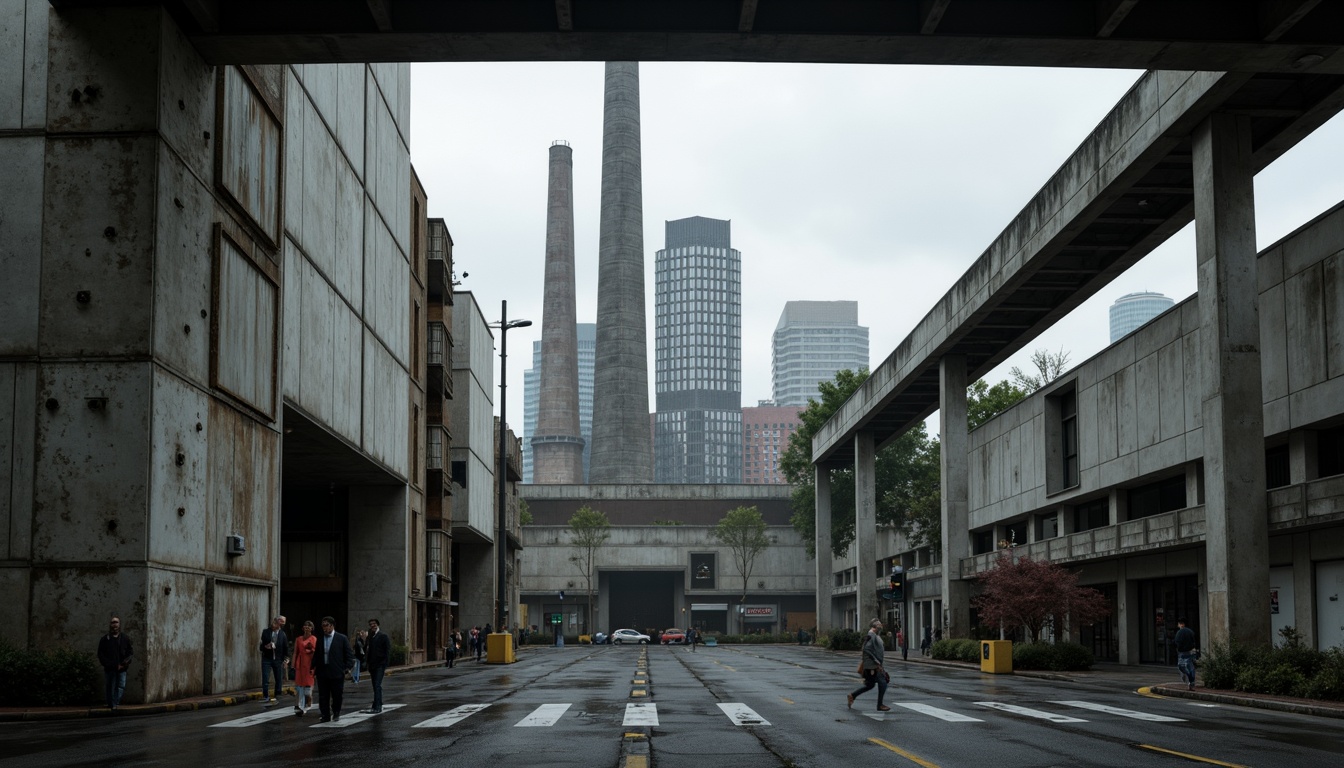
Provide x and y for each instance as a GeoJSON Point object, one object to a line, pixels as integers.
{"type": "Point", "coordinates": [477, 640]}
{"type": "Point", "coordinates": [323, 662]}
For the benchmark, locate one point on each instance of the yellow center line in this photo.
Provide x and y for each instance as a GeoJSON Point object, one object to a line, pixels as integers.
{"type": "Point", "coordinates": [1148, 691]}
{"type": "Point", "coordinates": [1209, 760]}
{"type": "Point", "coordinates": [912, 758]}
{"type": "Point", "coordinates": [786, 701]}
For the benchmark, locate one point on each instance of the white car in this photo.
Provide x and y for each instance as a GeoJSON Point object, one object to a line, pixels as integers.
{"type": "Point", "coordinates": [628, 636]}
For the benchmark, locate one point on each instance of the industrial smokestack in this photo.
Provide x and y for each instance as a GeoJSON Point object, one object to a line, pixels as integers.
{"type": "Point", "coordinates": [622, 450]}
{"type": "Point", "coordinates": [557, 448]}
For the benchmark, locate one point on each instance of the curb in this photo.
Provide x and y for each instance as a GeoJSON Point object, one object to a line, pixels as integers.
{"type": "Point", "coordinates": [1277, 705]}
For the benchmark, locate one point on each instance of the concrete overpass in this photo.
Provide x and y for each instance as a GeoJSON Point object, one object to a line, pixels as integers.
{"type": "Point", "coordinates": [1225, 35]}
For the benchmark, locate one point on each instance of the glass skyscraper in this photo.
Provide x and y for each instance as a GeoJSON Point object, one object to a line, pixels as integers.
{"type": "Point", "coordinates": [1133, 310]}
{"type": "Point", "coordinates": [813, 341]}
{"type": "Point", "coordinates": [532, 396]}
{"type": "Point", "coordinates": [698, 354]}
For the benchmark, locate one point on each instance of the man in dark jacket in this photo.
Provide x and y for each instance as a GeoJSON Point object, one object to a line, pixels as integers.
{"type": "Point", "coordinates": [1186, 653]}
{"type": "Point", "coordinates": [379, 656]}
{"type": "Point", "coordinates": [274, 647]}
{"type": "Point", "coordinates": [331, 660]}
{"type": "Point", "coordinates": [114, 654]}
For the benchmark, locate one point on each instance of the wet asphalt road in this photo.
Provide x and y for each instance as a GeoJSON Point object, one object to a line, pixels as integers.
{"type": "Point", "coordinates": [727, 707]}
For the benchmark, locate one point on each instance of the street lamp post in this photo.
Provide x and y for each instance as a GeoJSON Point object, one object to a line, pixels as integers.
{"type": "Point", "coordinates": [501, 541]}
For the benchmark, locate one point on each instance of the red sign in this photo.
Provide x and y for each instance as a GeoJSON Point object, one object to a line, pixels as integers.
{"type": "Point", "coordinates": [760, 610]}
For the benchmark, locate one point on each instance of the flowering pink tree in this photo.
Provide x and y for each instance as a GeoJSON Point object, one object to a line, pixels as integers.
{"type": "Point", "coordinates": [1036, 595]}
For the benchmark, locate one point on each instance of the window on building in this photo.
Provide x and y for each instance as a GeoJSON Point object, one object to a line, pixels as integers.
{"type": "Point", "coordinates": [1156, 498]}
{"type": "Point", "coordinates": [1276, 467]}
{"type": "Point", "coordinates": [1047, 526]}
{"type": "Point", "coordinates": [1092, 514]}
{"type": "Point", "coordinates": [1068, 428]}
{"type": "Point", "coordinates": [982, 542]}
{"type": "Point", "coordinates": [1330, 452]}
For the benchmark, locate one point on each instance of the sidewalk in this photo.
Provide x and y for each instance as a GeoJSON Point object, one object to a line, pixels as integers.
{"type": "Point", "coordinates": [1153, 681]}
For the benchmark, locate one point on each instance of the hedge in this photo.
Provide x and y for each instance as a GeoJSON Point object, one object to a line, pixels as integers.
{"type": "Point", "coordinates": [1291, 670]}
{"type": "Point", "coordinates": [49, 677]}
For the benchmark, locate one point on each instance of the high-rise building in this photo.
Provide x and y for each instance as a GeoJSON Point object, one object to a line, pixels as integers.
{"type": "Point", "coordinates": [766, 430]}
{"type": "Point", "coordinates": [698, 354]}
{"type": "Point", "coordinates": [813, 341]}
{"type": "Point", "coordinates": [621, 444]}
{"type": "Point", "coordinates": [1134, 309]}
{"type": "Point", "coordinates": [587, 335]}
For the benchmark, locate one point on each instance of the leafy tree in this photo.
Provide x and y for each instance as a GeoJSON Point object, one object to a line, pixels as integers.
{"type": "Point", "coordinates": [588, 531]}
{"type": "Point", "coordinates": [524, 513]}
{"type": "Point", "coordinates": [1049, 365]}
{"type": "Point", "coordinates": [1035, 595]}
{"type": "Point", "coordinates": [743, 531]}
{"type": "Point", "coordinates": [984, 402]}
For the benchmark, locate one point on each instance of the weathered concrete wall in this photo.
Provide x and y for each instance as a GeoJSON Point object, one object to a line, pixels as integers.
{"type": "Point", "coordinates": [473, 418]}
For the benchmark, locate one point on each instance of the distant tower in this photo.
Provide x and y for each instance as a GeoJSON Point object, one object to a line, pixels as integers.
{"type": "Point", "coordinates": [622, 447]}
{"type": "Point", "coordinates": [1133, 310]}
{"type": "Point", "coordinates": [532, 397]}
{"type": "Point", "coordinates": [813, 341]}
{"type": "Point", "coordinates": [698, 354]}
{"type": "Point", "coordinates": [557, 448]}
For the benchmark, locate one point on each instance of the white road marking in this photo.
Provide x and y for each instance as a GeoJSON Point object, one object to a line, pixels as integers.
{"type": "Point", "coordinates": [354, 718]}
{"type": "Point", "coordinates": [640, 714]}
{"type": "Point", "coordinates": [452, 716]}
{"type": "Point", "coordinates": [270, 714]}
{"type": "Point", "coordinates": [1036, 713]}
{"type": "Point", "coordinates": [741, 714]}
{"type": "Point", "coordinates": [542, 716]}
{"type": "Point", "coordinates": [1121, 712]}
{"type": "Point", "coordinates": [941, 714]}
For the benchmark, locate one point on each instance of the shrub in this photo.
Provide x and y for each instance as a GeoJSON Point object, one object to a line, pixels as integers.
{"type": "Point", "coordinates": [845, 640]}
{"type": "Point", "coordinates": [1072, 657]}
{"type": "Point", "coordinates": [48, 677]}
{"type": "Point", "coordinates": [398, 655]}
{"type": "Point", "coordinates": [1221, 665]}
{"type": "Point", "coordinates": [1277, 680]}
{"type": "Point", "coordinates": [1033, 656]}
{"type": "Point", "coordinates": [1328, 682]}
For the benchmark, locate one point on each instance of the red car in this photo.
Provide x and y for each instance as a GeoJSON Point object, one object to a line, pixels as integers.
{"type": "Point", "coordinates": [673, 635]}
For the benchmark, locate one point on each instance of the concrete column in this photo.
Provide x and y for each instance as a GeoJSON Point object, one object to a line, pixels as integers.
{"type": "Point", "coordinates": [952, 431]}
{"type": "Point", "coordinates": [825, 564]}
{"type": "Point", "coordinates": [1128, 621]}
{"type": "Point", "coordinates": [865, 525]}
{"type": "Point", "coordinates": [1302, 456]}
{"type": "Point", "coordinates": [378, 586]}
{"type": "Point", "coordinates": [1304, 590]}
{"type": "Point", "coordinates": [1237, 543]}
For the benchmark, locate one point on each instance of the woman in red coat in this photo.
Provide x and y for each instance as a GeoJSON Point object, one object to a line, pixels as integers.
{"type": "Point", "coordinates": [304, 647]}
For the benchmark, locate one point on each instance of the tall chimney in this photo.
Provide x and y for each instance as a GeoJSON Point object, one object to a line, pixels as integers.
{"type": "Point", "coordinates": [557, 447]}
{"type": "Point", "coordinates": [622, 450]}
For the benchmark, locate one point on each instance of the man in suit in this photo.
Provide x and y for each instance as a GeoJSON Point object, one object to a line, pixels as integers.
{"type": "Point", "coordinates": [379, 656]}
{"type": "Point", "coordinates": [332, 659]}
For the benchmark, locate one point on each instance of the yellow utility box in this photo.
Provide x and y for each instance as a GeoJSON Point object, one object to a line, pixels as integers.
{"type": "Point", "coordinates": [996, 656]}
{"type": "Point", "coordinates": [499, 648]}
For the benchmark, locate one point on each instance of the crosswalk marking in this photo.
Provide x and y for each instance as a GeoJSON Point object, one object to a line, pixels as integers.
{"type": "Point", "coordinates": [452, 716]}
{"type": "Point", "coordinates": [941, 714]}
{"type": "Point", "coordinates": [741, 714]}
{"type": "Point", "coordinates": [270, 714]}
{"type": "Point", "coordinates": [1036, 713]}
{"type": "Point", "coordinates": [542, 716]}
{"type": "Point", "coordinates": [1121, 712]}
{"type": "Point", "coordinates": [640, 714]}
{"type": "Point", "coordinates": [354, 718]}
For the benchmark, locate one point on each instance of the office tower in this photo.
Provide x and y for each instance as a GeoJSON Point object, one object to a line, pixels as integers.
{"type": "Point", "coordinates": [698, 354]}
{"type": "Point", "coordinates": [557, 448]}
{"type": "Point", "coordinates": [814, 340]}
{"type": "Point", "coordinates": [587, 335]}
{"type": "Point", "coordinates": [766, 430]}
{"type": "Point", "coordinates": [622, 447]}
{"type": "Point", "coordinates": [1133, 310]}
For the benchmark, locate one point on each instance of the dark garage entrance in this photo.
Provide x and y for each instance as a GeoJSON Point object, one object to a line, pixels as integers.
{"type": "Point", "coordinates": [642, 600]}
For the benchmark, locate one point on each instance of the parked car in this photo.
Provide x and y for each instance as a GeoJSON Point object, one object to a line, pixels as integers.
{"type": "Point", "coordinates": [673, 636]}
{"type": "Point", "coordinates": [629, 636]}
{"type": "Point", "coordinates": [599, 639]}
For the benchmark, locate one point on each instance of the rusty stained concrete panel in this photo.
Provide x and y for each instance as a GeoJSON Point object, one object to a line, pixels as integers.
{"type": "Point", "coordinates": [243, 495]}
{"type": "Point", "coordinates": [90, 462]}
{"type": "Point", "coordinates": [185, 212]}
{"type": "Point", "coordinates": [236, 614]}
{"type": "Point", "coordinates": [171, 647]}
{"type": "Point", "coordinates": [178, 471]}
{"type": "Point", "coordinates": [98, 246]}
{"type": "Point", "coordinates": [76, 605]}
{"type": "Point", "coordinates": [250, 167]}
{"type": "Point", "coordinates": [103, 69]}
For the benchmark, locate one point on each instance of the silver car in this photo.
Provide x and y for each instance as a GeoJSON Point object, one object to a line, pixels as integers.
{"type": "Point", "coordinates": [629, 636]}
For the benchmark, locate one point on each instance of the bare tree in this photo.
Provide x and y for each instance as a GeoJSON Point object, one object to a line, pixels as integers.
{"type": "Point", "coordinates": [1049, 366]}
{"type": "Point", "coordinates": [588, 531]}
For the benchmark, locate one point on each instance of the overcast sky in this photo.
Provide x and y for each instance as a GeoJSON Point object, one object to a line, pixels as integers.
{"type": "Point", "coordinates": [879, 184]}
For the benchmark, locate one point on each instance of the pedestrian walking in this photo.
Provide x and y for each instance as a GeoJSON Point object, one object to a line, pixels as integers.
{"type": "Point", "coordinates": [476, 641]}
{"type": "Point", "coordinates": [870, 666]}
{"type": "Point", "coordinates": [450, 649]}
{"type": "Point", "coordinates": [114, 654]}
{"type": "Point", "coordinates": [305, 646]}
{"type": "Point", "coordinates": [692, 637]}
{"type": "Point", "coordinates": [901, 642]}
{"type": "Point", "coordinates": [1186, 653]}
{"type": "Point", "coordinates": [925, 644]}
{"type": "Point", "coordinates": [361, 647]}
{"type": "Point", "coordinates": [332, 659]}
{"type": "Point", "coordinates": [379, 656]}
{"type": "Point", "coordinates": [274, 647]}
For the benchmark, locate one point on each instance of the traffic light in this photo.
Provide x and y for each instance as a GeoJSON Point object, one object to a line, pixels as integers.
{"type": "Point", "coordinates": [898, 586]}
{"type": "Point", "coordinates": [562, 594]}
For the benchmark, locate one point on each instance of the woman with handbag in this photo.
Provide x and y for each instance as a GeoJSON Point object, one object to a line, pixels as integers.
{"type": "Point", "coordinates": [870, 666]}
{"type": "Point", "coordinates": [304, 648]}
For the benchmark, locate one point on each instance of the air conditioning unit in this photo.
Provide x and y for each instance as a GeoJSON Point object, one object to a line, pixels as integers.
{"type": "Point", "coordinates": [235, 545]}
{"type": "Point", "coordinates": [431, 583]}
